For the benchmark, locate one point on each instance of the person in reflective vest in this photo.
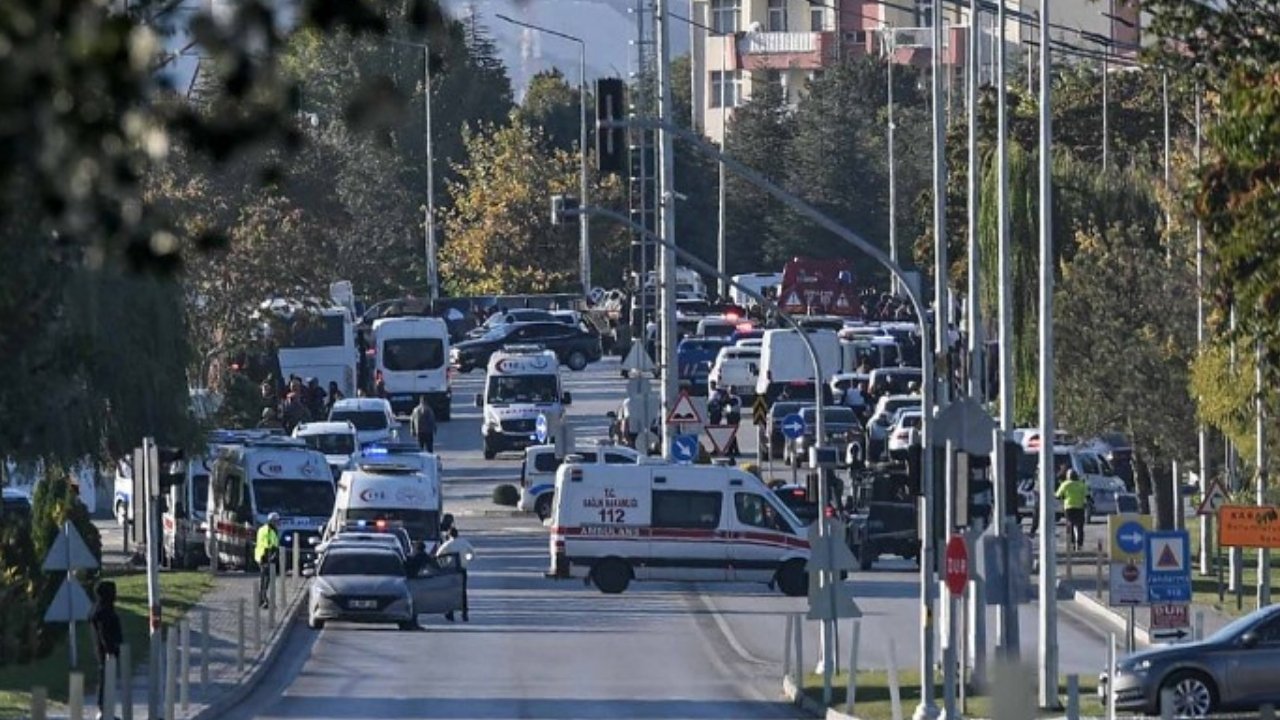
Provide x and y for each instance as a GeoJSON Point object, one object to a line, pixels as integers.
{"type": "Point", "coordinates": [266, 551]}
{"type": "Point", "coordinates": [1074, 494]}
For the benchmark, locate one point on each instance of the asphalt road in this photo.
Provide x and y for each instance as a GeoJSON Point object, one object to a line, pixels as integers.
{"type": "Point", "coordinates": [538, 648]}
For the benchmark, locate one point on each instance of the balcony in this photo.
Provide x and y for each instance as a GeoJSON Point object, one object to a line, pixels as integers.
{"type": "Point", "coordinates": [786, 50]}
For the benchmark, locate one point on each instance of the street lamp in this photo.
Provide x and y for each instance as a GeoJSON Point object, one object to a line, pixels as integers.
{"type": "Point", "coordinates": [584, 233]}
{"type": "Point", "coordinates": [432, 250]}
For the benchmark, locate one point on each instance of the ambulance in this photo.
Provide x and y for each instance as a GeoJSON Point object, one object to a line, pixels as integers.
{"type": "Point", "coordinates": [184, 522]}
{"type": "Point", "coordinates": [393, 494]}
{"type": "Point", "coordinates": [256, 478]}
{"type": "Point", "coordinates": [522, 384]}
{"type": "Point", "coordinates": [612, 524]}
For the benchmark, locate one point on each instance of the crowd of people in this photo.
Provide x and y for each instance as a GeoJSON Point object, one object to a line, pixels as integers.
{"type": "Point", "coordinates": [302, 402]}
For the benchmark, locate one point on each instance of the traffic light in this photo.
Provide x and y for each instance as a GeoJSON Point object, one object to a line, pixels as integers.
{"type": "Point", "coordinates": [562, 207]}
{"type": "Point", "coordinates": [611, 142]}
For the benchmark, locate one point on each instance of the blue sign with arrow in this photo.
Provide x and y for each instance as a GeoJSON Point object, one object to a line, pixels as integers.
{"type": "Point", "coordinates": [684, 448]}
{"type": "Point", "coordinates": [540, 428]}
{"type": "Point", "coordinates": [1130, 537]}
{"type": "Point", "coordinates": [793, 426]}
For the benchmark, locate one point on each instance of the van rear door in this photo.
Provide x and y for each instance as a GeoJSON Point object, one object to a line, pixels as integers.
{"type": "Point", "coordinates": [685, 532]}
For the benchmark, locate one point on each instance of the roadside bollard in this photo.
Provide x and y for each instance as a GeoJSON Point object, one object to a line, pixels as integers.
{"type": "Point", "coordinates": [204, 651]}
{"type": "Point", "coordinates": [184, 670]}
{"type": "Point", "coordinates": [799, 667]}
{"type": "Point", "coordinates": [1111, 673]}
{"type": "Point", "coordinates": [126, 682]}
{"type": "Point", "coordinates": [786, 646]}
{"type": "Point", "coordinates": [171, 673]}
{"type": "Point", "coordinates": [282, 576]}
{"type": "Point", "coordinates": [75, 696]}
{"type": "Point", "coordinates": [257, 626]}
{"type": "Point", "coordinates": [271, 596]}
{"type": "Point", "coordinates": [109, 686]}
{"type": "Point", "coordinates": [1098, 572]}
{"type": "Point", "coordinates": [1197, 630]}
{"type": "Point", "coordinates": [895, 693]}
{"type": "Point", "coordinates": [852, 691]}
{"type": "Point", "coordinates": [39, 703]}
{"type": "Point", "coordinates": [1166, 703]}
{"type": "Point", "coordinates": [240, 639]}
{"type": "Point", "coordinates": [297, 557]}
{"type": "Point", "coordinates": [1073, 697]}
{"type": "Point", "coordinates": [1070, 563]}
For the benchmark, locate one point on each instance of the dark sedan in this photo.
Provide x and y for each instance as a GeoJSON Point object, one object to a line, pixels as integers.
{"type": "Point", "coordinates": [772, 441]}
{"type": "Point", "coordinates": [573, 346]}
{"type": "Point", "coordinates": [1233, 669]}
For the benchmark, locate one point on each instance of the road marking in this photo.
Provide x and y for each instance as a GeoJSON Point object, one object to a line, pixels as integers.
{"type": "Point", "coordinates": [727, 632]}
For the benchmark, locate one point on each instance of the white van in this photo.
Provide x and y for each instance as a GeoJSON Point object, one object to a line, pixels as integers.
{"type": "Point", "coordinates": [612, 524]}
{"type": "Point", "coordinates": [397, 494]}
{"type": "Point", "coordinates": [522, 383]}
{"type": "Point", "coordinates": [737, 369]}
{"type": "Point", "coordinates": [784, 360]}
{"type": "Point", "coordinates": [759, 282]}
{"type": "Point", "coordinates": [412, 353]}
{"type": "Point", "coordinates": [337, 440]}
{"type": "Point", "coordinates": [250, 481]}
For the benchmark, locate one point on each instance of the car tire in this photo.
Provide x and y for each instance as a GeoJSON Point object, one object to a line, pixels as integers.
{"type": "Point", "coordinates": [489, 452]}
{"type": "Point", "coordinates": [792, 579]}
{"type": "Point", "coordinates": [577, 360]}
{"type": "Point", "coordinates": [314, 622]}
{"type": "Point", "coordinates": [542, 506]}
{"type": "Point", "coordinates": [867, 556]}
{"type": "Point", "coordinates": [1194, 693]}
{"type": "Point", "coordinates": [611, 576]}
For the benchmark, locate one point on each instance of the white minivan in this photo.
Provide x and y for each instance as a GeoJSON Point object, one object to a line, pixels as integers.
{"type": "Point", "coordinates": [785, 361]}
{"type": "Point", "coordinates": [412, 355]}
{"type": "Point", "coordinates": [522, 385]}
{"type": "Point", "coordinates": [611, 524]}
{"type": "Point", "coordinates": [736, 369]}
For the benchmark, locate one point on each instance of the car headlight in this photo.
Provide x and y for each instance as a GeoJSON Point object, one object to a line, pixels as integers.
{"type": "Point", "coordinates": [324, 589]}
{"type": "Point", "coordinates": [1135, 667]}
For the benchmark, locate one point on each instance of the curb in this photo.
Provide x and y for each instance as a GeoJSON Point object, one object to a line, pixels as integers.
{"type": "Point", "coordinates": [1094, 608]}
{"type": "Point", "coordinates": [808, 704]}
{"type": "Point", "coordinates": [246, 683]}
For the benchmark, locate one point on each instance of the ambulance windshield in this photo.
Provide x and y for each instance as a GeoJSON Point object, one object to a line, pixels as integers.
{"type": "Point", "coordinates": [506, 389]}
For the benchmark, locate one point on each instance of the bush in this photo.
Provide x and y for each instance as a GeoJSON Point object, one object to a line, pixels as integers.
{"type": "Point", "coordinates": [506, 494]}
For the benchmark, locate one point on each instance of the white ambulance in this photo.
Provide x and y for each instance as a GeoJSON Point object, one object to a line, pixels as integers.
{"type": "Point", "coordinates": [522, 384]}
{"type": "Point", "coordinates": [412, 354]}
{"type": "Point", "coordinates": [396, 494]}
{"type": "Point", "coordinates": [612, 524]}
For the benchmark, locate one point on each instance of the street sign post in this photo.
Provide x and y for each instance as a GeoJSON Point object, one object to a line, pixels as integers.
{"type": "Point", "coordinates": [957, 565]}
{"type": "Point", "coordinates": [684, 448]}
{"type": "Point", "coordinates": [760, 411]}
{"type": "Point", "coordinates": [1127, 533]}
{"type": "Point", "coordinates": [540, 429]}
{"type": "Point", "coordinates": [684, 412]}
{"type": "Point", "coordinates": [1170, 622]}
{"type": "Point", "coordinates": [721, 437]}
{"type": "Point", "coordinates": [793, 426]}
{"type": "Point", "coordinates": [1214, 498]}
{"type": "Point", "coordinates": [1250, 526]}
{"type": "Point", "coordinates": [829, 556]}
{"type": "Point", "coordinates": [1168, 566]}
{"type": "Point", "coordinates": [70, 604]}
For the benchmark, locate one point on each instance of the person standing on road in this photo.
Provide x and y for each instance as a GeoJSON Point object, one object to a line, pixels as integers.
{"type": "Point", "coordinates": [107, 635]}
{"type": "Point", "coordinates": [422, 423]}
{"type": "Point", "coordinates": [466, 551]}
{"type": "Point", "coordinates": [266, 552]}
{"type": "Point", "coordinates": [1074, 495]}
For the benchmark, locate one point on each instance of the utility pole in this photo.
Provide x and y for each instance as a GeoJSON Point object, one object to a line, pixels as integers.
{"type": "Point", "coordinates": [433, 269]}
{"type": "Point", "coordinates": [887, 33]}
{"type": "Point", "coordinates": [667, 217]}
{"type": "Point", "coordinates": [722, 253]}
{"type": "Point", "coordinates": [584, 222]}
{"type": "Point", "coordinates": [1048, 559]}
{"type": "Point", "coordinates": [1260, 461]}
{"type": "Point", "coordinates": [1202, 439]}
{"type": "Point", "coordinates": [973, 325]}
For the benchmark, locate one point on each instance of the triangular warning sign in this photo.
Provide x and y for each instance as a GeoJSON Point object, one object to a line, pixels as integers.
{"type": "Point", "coordinates": [69, 552]}
{"type": "Point", "coordinates": [721, 437]}
{"type": "Point", "coordinates": [684, 413]}
{"type": "Point", "coordinates": [1168, 558]}
{"type": "Point", "coordinates": [793, 299]}
{"type": "Point", "coordinates": [842, 302]}
{"type": "Point", "coordinates": [638, 359]}
{"type": "Point", "coordinates": [1215, 498]}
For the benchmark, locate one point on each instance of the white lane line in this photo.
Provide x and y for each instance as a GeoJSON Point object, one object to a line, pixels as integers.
{"type": "Point", "coordinates": [729, 636]}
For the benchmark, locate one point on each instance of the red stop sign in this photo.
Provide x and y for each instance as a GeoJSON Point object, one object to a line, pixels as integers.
{"type": "Point", "coordinates": [957, 565]}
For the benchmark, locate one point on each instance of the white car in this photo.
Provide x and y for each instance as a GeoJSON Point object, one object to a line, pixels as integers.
{"type": "Point", "coordinates": [538, 473]}
{"type": "Point", "coordinates": [372, 418]}
{"type": "Point", "coordinates": [736, 369]}
{"type": "Point", "coordinates": [905, 433]}
{"type": "Point", "coordinates": [882, 418]}
{"type": "Point", "coordinates": [336, 440]}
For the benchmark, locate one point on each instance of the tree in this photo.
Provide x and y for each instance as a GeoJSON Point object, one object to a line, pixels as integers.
{"type": "Point", "coordinates": [758, 134]}
{"type": "Point", "coordinates": [551, 104]}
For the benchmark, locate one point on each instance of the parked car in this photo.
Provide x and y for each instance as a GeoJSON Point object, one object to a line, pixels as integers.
{"type": "Point", "coordinates": [840, 424]}
{"type": "Point", "coordinates": [905, 433]}
{"type": "Point", "coordinates": [881, 419]}
{"type": "Point", "coordinates": [772, 441]}
{"type": "Point", "coordinates": [510, 317]}
{"type": "Point", "coordinates": [893, 381]}
{"type": "Point", "coordinates": [1235, 669]}
{"type": "Point", "coordinates": [573, 346]}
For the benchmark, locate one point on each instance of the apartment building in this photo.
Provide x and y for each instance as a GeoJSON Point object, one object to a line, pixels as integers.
{"type": "Point", "coordinates": [745, 43]}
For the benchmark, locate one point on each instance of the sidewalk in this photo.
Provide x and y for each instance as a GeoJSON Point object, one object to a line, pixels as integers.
{"type": "Point", "coordinates": [227, 683]}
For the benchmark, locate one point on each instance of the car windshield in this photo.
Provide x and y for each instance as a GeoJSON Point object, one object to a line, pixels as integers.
{"type": "Point", "coordinates": [410, 354]}
{"type": "Point", "coordinates": [357, 563]}
{"type": "Point", "coordinates": [332, 443]}
{"type": "Point", "coordinates": [523, 389]}
{"type": "Point", "coordinates": [362, 419]}
{"type": "Point", "coordinates": [293, 498]}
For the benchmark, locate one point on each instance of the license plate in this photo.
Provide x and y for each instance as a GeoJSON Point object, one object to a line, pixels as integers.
{"type": "Point", "coordinates": [363, 604]}
{"type": "Point", "coordinates": [401, 397]}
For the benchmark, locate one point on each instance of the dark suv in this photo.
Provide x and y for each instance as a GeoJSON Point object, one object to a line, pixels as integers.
{"type": "Point", "coordinates": [573, 346]}
{"type": "Point", "coordinates": [772, 441]}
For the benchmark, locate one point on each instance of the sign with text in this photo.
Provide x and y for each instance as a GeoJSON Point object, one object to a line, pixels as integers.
{"type": "Point", "coordinates": [1168, 566]}
{"type": "Point", "coordinates": [1252, 526]}
{"type": "Point", "coordinates": [1128, 585]}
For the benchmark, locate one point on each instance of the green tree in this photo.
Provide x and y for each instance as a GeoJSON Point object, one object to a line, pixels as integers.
{"type": "Point", "coordinates": [758, 134]}
{"type": "Point", "coordinates": [552, 104]}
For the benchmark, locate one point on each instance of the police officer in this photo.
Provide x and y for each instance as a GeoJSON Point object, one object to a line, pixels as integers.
{"type": "Point", "coordinates": [1074, 494]}
{"type": "Point", "coordinates": [266, 551]}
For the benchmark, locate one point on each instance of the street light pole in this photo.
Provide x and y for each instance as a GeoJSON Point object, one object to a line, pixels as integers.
{"type": "Point", "coordinates": [887, 34]}
{"type": "Point", "coordinates": [433, 270]}
{"type": "Point", "coordinates": [584, 227]}
{"type": "Point", "coordinates": [667, 223]}
{"type": "Point", "coordinates": [722, 254]}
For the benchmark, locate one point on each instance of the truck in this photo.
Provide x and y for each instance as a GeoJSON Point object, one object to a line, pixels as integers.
{"type": "Point", "coordinates": [813, 286]}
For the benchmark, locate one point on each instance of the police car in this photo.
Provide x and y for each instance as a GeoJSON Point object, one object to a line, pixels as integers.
{"type": "Point", "coordinates": [538, 472]}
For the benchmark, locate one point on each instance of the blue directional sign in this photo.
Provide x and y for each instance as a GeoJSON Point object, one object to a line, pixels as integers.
{"type": "Point", "coordinates": [540, 428]}
{"type": "Point", "coordinates": [1130, 536]}
{"type": "Point", "coordinates": [684, 448]}
{"type": "Point", "coordinates": [1168, 566]}
{"type": "Point", "coordinates": [793, 426]}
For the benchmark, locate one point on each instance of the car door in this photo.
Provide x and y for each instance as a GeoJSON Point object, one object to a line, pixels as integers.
{"type": "Point", "coordinates": [438, 586]}
{"type": "Point", "coordinates": [684, 531]}
{"type": "Point", "coordinates": [758, 536]}
{"type": "Point", "coordinates": [1251, 671]}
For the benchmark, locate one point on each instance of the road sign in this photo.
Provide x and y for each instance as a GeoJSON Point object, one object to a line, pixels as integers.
{"type": "Point", "coordinates": [70, 604]}
{"type": "Point", "coordinates": [1128, 584]}
{"type": "Point", "coordinates": [69, 552]}
{"type": "Point", "coordinates": [684, 448]}
{"type": "Point", "coordinates": [540, 428]}
{"type": "Point", "coordinates": [760, 411]}
{"type": "Point", "coordinates": [1170, 616]}
{"type": "Point", "coordinates": [1249, 526]}
{"type": "Point", "coordinates": [1214, 498]}
{"type": "Point", "coordinates": [637, 359]}
{"type": "Point", "coordinates": [1127, 532]}
{"type": "Point", "coordinates": [684, 413]}
{"type": "Point", "coordinates": [721, 437]}
{"type": "Point", "coordinates": [820, 602]}
{"type": "Point", "coordinates": [1168, 566]}
{"type": "Point", "coordinates": [793, 426]}
{"type": "Point", "coordinates": [957, 565]}
{"type": "Point", "coordinates": [966, 425]}
{"type": "Point", "coordinates": [830, 553]}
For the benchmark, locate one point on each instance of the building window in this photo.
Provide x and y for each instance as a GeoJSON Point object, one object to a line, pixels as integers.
{"type": "Point", "coordinates": [924, 13]}
{"type": "Point", "coordinates": [777, 15]}
{"type": "Point", "coordinates": [817, 19]}
{"type": "Point", "coordinates": [728, 82]}
{"type": "Point", "coordinates": [724, 16]}
{"type": "Point", "coordinates": [773, 77]}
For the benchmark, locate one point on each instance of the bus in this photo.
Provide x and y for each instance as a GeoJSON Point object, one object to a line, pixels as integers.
{"type": "Point", "coordinates": [319, 343]}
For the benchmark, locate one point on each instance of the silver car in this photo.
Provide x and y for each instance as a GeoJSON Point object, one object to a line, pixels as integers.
{"type": "Point", "coordinates": [1234, 669]}
{"type": "Point", "coordinates": [373, 584]}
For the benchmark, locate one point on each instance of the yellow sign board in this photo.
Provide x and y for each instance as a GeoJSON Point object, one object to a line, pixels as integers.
{"type": "Point", "coordinates": [1128, 534]}
{"type": "Point", "coordinates": [1252, 526]}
